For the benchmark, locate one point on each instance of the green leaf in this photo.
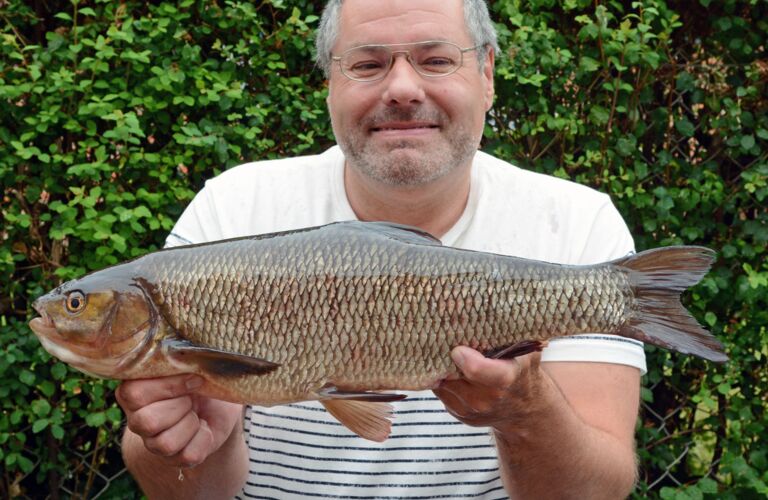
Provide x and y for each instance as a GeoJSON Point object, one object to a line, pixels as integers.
{"type": "Point", "coordinates": [27, 377]}
{"type": "Point", "coordinates": [25, 464]}
{"type": "Point", "coordinates": [685, 82]}
{"type": "Point", "coordinates": [710, 318]}
{"type": "Point", "coordinates": [685, 127]}
{"type": "Point", "coordinates": [41, 407]}
{"type": "Point", "coordinates": [599, 115]}
{"type": "Point", "coordinates": [142, 211]}
{"type": "Point", "coordinates": [58, 371]}
{"type": "Point", "coordinates": [39, 425]}
{"type": "Point", "coordinates": [747, 141]}
{"type": "Point", "coordinates": [114, 415]}
{"type": "Point", "coordinates": [626, 146]}
{"type": "Point", "coordinates": [16, 417]}
{"type": "Point", "coordinates": [707, 485]}
{"type": "Point", "coordinates": [57, 431]}
{"type": "Point", "coordinates": [589, 65]}
{"type": "Point", "coordinates": [96, 419]}
{"type": "Point", "coordinates": [47, 388]}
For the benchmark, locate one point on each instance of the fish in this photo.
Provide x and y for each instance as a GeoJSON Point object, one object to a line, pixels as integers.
{"type": "Point", "coordinates": [351, 312]}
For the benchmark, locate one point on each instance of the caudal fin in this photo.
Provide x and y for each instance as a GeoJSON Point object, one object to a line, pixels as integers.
{"type": "Point", "coordinates": [658, 277]}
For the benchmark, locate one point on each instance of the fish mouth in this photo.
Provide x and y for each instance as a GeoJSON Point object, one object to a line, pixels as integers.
{"type": "Point", "coordinates": [43, 325]}
{"type": "Point", "coordinates": [53, 343]}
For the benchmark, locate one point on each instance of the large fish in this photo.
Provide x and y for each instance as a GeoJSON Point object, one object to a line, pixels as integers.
{"type": "Point", "coordinates": [338, 312]}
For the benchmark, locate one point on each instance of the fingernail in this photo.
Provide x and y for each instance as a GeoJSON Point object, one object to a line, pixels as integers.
{"type": "Point", "coordinates": [458, 357]}
{"type": "Point", "coordinates": [204, 425]}
{"type": "Point", "coordinates": [194, 382]}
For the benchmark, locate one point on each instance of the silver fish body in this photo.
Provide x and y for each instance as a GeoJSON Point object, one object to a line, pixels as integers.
{"type": "Point", "coordinates": [340, 310]}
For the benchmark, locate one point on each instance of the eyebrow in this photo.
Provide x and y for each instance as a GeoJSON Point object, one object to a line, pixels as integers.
{"type": "Point", "coordinates": [360, 44]}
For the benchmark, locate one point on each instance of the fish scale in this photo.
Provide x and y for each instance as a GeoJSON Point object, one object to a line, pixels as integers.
{"type": "Point", "coordinates": [338, 311]}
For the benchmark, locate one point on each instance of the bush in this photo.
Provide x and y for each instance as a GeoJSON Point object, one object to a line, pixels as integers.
{"type": "Point", "coordinates": [113, 114]}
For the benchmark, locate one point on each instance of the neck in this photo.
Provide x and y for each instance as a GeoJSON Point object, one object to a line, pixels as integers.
{"type": "Point", "coordinates": [435, 207]}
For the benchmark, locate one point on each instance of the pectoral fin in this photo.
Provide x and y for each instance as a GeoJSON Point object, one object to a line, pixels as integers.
{"type": "Point", "coordinates": [367, 420]}
{"type": "Point", "coordinates": [215, 361]}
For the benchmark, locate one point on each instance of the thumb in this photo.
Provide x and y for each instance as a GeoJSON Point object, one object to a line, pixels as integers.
{"type": "Point", "coordinates": [478, 369]}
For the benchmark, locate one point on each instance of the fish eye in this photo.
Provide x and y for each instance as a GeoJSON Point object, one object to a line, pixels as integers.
{"type": "Point", "coordinates": [75, 301]}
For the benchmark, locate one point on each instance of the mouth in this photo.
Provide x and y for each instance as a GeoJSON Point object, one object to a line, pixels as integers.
{"type": "Point", "coordinates": [43, 325]}
{"type": "Point", "coordinates": [404, 127]}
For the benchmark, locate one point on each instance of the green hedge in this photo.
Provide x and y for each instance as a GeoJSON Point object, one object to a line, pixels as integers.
{"type": "Point", "coordinates": [113, 114]}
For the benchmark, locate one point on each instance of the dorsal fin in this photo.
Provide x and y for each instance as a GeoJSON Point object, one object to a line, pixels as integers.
{"type": "Point", "coordinates": [400, 232]}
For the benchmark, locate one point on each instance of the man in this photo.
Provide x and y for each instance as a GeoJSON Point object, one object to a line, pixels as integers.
{"type": "Point", "coordinates": [410, 82]}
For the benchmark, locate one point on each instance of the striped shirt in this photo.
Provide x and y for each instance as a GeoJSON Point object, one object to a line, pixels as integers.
{"type": "Point", "coordinates": [300, 450]}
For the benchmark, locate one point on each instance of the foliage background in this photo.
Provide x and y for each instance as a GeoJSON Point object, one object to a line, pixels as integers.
{"type": "Point", "coordinates": [112, 115]}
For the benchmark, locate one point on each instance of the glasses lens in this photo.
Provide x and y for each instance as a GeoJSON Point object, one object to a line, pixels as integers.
{"type": "Point", "coordinates": [372, 62]}
{"type": "Point", "coordinates": [366, 63]}
{"type": "Point", "coordinates": [436, 58]}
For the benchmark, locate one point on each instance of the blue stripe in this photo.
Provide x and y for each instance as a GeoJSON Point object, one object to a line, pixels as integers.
{"type": "Point", "coordinates": [368, 473]}
{"type": "Point", "coordinates": [362, 448]}
{"type": "Point", "coordinates": [388, 485]}
{"type": "Point", "coordinates": [363, 461]}
{"type": "Point", "coordinates": [336, 423]}
{"type": "Point", "coordinates": [355, 436]}
{"type": "Point", "coordinates": [377, 497]}
{"type": "Point", "coordinates": [599, 337]}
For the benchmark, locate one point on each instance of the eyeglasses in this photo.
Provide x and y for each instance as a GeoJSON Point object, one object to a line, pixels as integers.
{"type": "Point", "coordinates": [433, 59]}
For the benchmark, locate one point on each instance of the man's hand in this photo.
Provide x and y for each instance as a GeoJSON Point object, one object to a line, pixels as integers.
{"type": "Point", "coordinates": [562, 429]}
{"type": "Point", "coordinates": [494, 393]}
{"type": "Point", "coordinates": [173, 422]}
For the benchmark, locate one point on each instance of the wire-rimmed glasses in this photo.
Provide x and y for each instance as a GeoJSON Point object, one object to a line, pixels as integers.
{"type": "Point", "coordinates": [432, 58]}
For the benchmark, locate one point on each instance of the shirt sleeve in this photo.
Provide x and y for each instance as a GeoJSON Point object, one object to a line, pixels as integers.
{"type": "Point", "coordinates": [609, 238]}
{"type": "Point", "coordinates": [197, 224]}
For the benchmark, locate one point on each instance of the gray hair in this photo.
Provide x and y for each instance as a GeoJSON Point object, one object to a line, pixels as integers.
{"type": "Point", "coordinates": [476, 18]}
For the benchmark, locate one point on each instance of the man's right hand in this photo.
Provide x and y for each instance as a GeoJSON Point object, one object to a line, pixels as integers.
{"type": "Point", "coordinates": [177, 425]}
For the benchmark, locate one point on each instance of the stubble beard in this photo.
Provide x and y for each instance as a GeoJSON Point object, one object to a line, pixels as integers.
{"type": "Point", "coordinates": [408, 163]}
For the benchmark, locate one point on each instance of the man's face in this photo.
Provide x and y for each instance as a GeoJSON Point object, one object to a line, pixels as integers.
{"type": "Point", "coordinates": [407, 129]}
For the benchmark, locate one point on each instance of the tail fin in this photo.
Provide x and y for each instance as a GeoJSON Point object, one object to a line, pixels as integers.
{"type": "Point", "coordinates": [658, 277]}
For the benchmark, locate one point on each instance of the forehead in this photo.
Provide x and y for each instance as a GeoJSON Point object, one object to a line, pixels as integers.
{"type": "Point", "coordinates": [401, 21]}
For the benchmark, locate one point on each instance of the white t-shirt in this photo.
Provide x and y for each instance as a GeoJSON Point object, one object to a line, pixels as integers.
{"type": "Point", "coordinates": [299, 450]}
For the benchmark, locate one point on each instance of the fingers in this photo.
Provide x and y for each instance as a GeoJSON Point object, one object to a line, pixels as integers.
{"type": "Point", "coordinates": [135, 394]}
{"type": "Point", "coordinates": [163, 412]}
{"type": "Point", "coordinates": [155, 418]}
{"type": "Point", "coordinates": [186, 444]}
{"type": "Point", "coordinates": [199, 447]}
{"type": "Point", "coordinates": [490, 391]}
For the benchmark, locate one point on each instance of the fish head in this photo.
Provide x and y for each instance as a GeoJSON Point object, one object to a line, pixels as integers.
{"type": "Point", "coordinates": [99, 324]}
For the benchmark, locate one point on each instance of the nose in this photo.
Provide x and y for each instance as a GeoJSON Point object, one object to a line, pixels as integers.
{"type": "Point", "coordinates": [404, 86]}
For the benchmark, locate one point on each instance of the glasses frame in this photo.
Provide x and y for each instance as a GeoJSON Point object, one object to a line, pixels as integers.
{"type": "Point", "coordinates": [407, 54]}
